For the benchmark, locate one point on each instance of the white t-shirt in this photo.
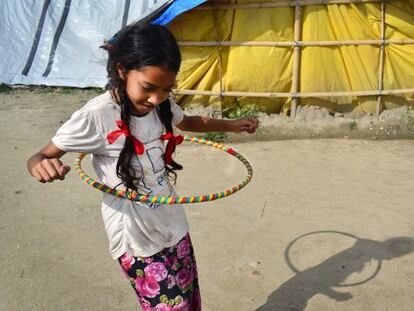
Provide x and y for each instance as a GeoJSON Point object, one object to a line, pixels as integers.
{"type": "Point", "coordinates": [137, 228]}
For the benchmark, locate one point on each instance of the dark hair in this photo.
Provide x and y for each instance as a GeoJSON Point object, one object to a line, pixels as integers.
{"type": "Point", "coordinates": [135, 47]}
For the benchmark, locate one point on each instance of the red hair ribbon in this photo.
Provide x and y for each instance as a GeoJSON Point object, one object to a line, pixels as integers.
{"type": "Point", "coordinates": [172, 142]}
{"type": "Point", "coordinates": [124, 130]}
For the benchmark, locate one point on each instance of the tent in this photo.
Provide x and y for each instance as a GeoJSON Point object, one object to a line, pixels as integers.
{"type": "Point", "coordinates": [57, 42]}
{"type": "Point", "coordinates": [345, 55]}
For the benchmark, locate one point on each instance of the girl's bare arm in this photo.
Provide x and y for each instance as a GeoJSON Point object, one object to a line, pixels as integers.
{"type": "Point", "coordinates": [205, 124]}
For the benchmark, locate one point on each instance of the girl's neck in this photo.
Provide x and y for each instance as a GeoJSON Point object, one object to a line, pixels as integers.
{"type": "Point", "coordinates": [115, 96]}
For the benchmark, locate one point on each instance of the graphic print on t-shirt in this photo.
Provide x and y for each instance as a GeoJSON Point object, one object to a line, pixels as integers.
{"type": "Point", "coordinates": [154, 154]}
{"type": "Point", "coordinates": [142, 186]}
{"type": "Point", "coordinates": [152, 167]}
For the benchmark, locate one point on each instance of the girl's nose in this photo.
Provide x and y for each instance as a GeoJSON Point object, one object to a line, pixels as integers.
{"type": "Point", "coordinates": [157, 98]}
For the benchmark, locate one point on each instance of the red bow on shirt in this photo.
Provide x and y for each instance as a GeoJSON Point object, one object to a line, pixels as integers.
{"type": "Point", "coordinates": [124, 130]}
{"type": "Point", "coordinates": [172, 142]}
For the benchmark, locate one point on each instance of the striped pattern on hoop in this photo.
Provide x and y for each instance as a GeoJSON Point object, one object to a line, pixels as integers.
{"type": "Point", "coordinates": [169, 199]}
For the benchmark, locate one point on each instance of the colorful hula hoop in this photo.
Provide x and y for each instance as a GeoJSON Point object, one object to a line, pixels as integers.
{"type": "Point", "coordinates": [170, 199]}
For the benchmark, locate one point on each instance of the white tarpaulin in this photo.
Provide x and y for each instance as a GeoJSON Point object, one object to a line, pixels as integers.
{"type": "Point", "coordinates": [56, 42]}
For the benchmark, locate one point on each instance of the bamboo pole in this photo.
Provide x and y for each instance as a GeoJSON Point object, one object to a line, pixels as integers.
{"type": "Point", "coordinates": [231, 93]}
{"type": "Point", "coordinates": [297, 43]}
{"type": "Point", "coordinates": [357, 93]}
{"type": "Point", "coordinates": [357, 42]}
{"type": "Point", "coordinates": [381, 62]}
{"type": "Point", "coordinates": [266, 5]}
{"type": "Point", "coordinates": [235, 43]}
{"type": "Point", "coordinates": [299, 95]}
{"type": "Point", "coordinates": [296, 59]}
{"type": "Point", "coordinates": [220, 64]}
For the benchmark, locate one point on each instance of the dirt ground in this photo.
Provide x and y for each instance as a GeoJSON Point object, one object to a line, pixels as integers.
{"type": "Point", "coordinates": [325, 224]}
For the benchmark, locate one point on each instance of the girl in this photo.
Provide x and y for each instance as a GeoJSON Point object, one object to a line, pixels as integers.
{"type": "Point", "coordinates": [125, 129]}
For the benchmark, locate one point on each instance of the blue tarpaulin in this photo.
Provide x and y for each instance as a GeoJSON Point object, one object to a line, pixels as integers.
{"type": "Point", "coordinates": [176, 8]}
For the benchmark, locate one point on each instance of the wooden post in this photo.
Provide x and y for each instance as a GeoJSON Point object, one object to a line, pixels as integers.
{"type": "Point", "coordinates": [296, 60]}
{"type": "Point", "coordinates": [381, 62]}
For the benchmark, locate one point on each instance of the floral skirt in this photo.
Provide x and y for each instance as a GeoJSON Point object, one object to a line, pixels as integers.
{"type": "Point", "coordinates": [166, 281]}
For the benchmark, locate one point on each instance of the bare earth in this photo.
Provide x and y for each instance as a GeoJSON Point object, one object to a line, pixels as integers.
{"type": "Point", "coordinates": [326, 224]}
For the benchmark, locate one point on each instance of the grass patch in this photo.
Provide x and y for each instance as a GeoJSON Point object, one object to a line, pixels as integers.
{"type": "Point", "coordinates": [238, 111]}
{"type": "Point", "coordinates": [5, 88]}
{"type": "Point", "coordinates": [215, 136]}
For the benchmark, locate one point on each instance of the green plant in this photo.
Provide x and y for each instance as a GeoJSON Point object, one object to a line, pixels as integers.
{"type": "Point", "coordinates": [238, 111]}
{"type": "Point", "coordinates": [353, 125]}
{"type": "Point", "coordinates": [215, 136]}
{"type": "Point", "coordinates": [66, 90]}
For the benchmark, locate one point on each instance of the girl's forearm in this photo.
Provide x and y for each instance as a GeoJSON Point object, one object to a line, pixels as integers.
{"type": "Point", "coordinates": [205, 124]}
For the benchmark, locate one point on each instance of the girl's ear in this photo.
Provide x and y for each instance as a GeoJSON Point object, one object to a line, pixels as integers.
{"type": "Point", "coordinates": [121, 71]}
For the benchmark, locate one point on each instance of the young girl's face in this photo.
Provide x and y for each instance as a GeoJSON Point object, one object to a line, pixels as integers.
{"type": "Point", "coordinates": [148, 87]}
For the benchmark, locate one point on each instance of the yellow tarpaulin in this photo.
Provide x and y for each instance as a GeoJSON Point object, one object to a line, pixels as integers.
{"type": "Point", "coordinates": [322, 68]}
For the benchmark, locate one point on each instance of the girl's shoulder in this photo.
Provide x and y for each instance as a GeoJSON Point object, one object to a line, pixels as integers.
{"type": "Point", "coordinates": [101, 111]}
{"type": "Point", "coordinates": [101, 104]}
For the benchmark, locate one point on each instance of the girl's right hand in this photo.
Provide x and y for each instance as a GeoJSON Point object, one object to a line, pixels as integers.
{"type": "Point", "coordinates": [48, 170]}
{"type": "Point", "coordinates": [45, 165]}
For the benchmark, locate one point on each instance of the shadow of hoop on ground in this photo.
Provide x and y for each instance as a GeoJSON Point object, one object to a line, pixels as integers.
{"type": "Point", "coordinates": [294, 294]}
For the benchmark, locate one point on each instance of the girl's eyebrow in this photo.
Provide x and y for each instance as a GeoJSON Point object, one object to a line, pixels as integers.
{"type": "Point", "coordinates": [156, 86]}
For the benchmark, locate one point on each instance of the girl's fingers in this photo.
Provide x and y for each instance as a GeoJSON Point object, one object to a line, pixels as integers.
{"type": "Point", "coordinates": [64, 169]}
{"type": "Point", "coordinates": [50, 170]}
{"type": "Point", "coordinates": [60, 168]}
{"type": "Point", "coordinates": [38, 176]}
{"type": "Point", "coordinates": [251, 125]}
{"type": "Point", "coordinates": [246, 124]}
{"type": "Point", "coordinates": [57, 164]}
{"type": "Point", "coordinates": [44, 175]}
{"type": "Point", "coordinates": [254, 123]}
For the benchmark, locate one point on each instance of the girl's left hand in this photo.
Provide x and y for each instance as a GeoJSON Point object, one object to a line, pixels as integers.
{"type": "Point", "coordinates": [247, 124]}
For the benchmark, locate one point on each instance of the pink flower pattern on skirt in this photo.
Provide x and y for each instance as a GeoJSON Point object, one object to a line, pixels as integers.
{"type": "Point", "coordinates": [184, 278]}
{"type": "Point", "coordinates": [183, 248]}
{"type": "Point", "coordinates": [127, 261]}
{"type": "Point", "coordinates": [156, 270]}
{"type": "Point", "coordinates": [148, 286]}
{"type": "Point", "coordinates": [166, 281]}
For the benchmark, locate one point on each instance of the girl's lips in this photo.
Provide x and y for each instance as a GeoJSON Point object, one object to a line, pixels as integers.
{"type": "Point", "coordinates": [143, 108]}
{"type": "Point", "coordinates": [148, 105]}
